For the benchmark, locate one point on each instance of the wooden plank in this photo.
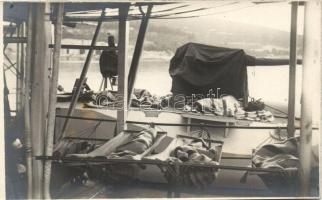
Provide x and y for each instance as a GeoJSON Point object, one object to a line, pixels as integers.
{"type": "Point", "coordinates": [311, 62]}
{"type": "Point", "coordinates": [123, 68]}
{"type": "Point", "coordinates": [74, 46]}
{"type": "Point", "coordinates": [53, 98]}
{"type": "Point", "coordinates": [83, 75]}
{"type": "Point", "coordinates": [137, 52]}
{"type": "Point", "coordinates": [292, 71]}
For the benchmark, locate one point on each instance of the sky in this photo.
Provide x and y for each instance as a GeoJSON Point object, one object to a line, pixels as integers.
{"type": "Point", "coordinates": [272, 15]}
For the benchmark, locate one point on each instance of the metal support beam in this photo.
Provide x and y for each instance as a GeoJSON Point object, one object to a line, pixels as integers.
{"type": "Point", "coordinates": [53, 98]}
{"type": "Point", "coordinates": [22, 63]}
{"type": "Point", "coordinates": [292, 71]}
{"type": "Point", "coordinates": [18, 69]}
{"type": "Point", "coordinates": [73, 46]}
{"type": "Point", "coordinates": [311, 62]}
{"type": "Point", "coordinates": [11, 64]}
{"type": "Point", "coordinates": [6, 67]}
{"type": "Point", "coordinates": [22, 66]}
{"type": "Point", "coordinates": [83, 75]}
{"type": "Point", "coordinates": [138, 51]}
{"type": "Point", "coordinates": [39, 90]}
{"type": "Point", "coordinates": [28, 146]}
{"type": "Point", "coordinates": [122, 67]}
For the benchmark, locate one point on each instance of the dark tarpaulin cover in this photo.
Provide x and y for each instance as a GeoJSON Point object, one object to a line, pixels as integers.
{"type": "Point", "coordinates": [197, 68]}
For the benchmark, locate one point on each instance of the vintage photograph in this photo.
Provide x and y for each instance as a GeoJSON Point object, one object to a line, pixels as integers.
{"type": "Point", "coordinates": [161, 99]}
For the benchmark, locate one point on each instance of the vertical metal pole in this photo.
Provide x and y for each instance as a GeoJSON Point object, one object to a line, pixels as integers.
{"type": "Point", "coordinates": [138, 51]}
{"type": "Point", "coordinates": [292, 71]}
{"type": "Point", "coordinates": [122, 67]}
{"type": "Point", "coordinates": [311, 61]}
{"type": "Point", "coordinates": [18, 89]}
{"type": "Point", "coordinates": [22, 66]}
{"type": "Point", "coordinates": [83, 74]}
{"type": "Point", "coordinates": [39, 91]}
{"type": "Point", "coordinates": [53, 98]}
{"type": "Point", "coordinates": [28, 147]}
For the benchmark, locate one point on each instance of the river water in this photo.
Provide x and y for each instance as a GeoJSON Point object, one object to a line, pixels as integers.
{"type": "Point", "coordinates": [268, 83]}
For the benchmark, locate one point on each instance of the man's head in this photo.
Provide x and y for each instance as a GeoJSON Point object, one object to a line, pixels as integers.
{"type": "Point", "coordinates": [110, 41]}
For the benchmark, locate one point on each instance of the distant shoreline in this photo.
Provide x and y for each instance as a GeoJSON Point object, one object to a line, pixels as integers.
{"type": "Point", "coordinates": [159, 59]}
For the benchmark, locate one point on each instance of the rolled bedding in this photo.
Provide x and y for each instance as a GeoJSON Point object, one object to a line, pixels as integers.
{"type": "Point", "coordinates": [283, 156]}
{"type": "Point", "coordinates": [124, 144]}
{"type": "Point", "coordinates": [194, 152]}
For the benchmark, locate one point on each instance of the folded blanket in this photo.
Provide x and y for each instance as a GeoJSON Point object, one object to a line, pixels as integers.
{"type": "Point", "coordinates": [224, 106]}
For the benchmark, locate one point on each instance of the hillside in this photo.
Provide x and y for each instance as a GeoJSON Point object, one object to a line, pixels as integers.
{"type": "Point", "coordinates": [168, 35]}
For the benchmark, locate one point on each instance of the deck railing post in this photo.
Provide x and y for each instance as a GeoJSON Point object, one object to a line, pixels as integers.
{"type": "Point", "coordinates": [53, 98]}
{"type": "Point", "coordinates": [292, 71]}
{"type": "Point", "coordinates": [137, 52]}
{"type": "Point", "coordinates": [311, 62]}
{"type": "Point", "coordinates": [122, 67]}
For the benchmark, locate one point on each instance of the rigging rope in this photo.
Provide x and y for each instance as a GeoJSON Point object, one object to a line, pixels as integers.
{"type": "Point", "coordinates": [209, 14]}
